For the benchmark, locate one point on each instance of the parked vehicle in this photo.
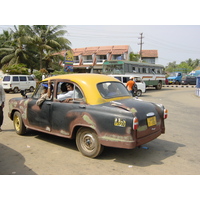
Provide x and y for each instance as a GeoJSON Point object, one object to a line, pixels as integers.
{"type": "Point", "coordinates": [175, 78]}
{"type": "Point", "coordinates": [195, 73]}
{"type": "Point", "coordinates": [188, 80]}
{"type": "Point", "coordinates": [141, 85]}
{"type": "Point", "coordinates": [101, 113]}
{"type": "Point", "coordinates": [16, 83]}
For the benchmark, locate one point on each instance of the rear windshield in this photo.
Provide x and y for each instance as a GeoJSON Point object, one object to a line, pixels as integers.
{"type": "Point", "coordinates": [112, 90]}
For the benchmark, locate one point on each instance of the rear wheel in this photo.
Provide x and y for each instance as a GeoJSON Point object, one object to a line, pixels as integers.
{"type": "Point", "coordinates": [88, 143]}
{"type": "Point", "coordinates": [31, 89]}
{"type": "Point", "coordinates": [15, 90]}
{"type": "Point", "coordinates": [18, 124]}
{"type": "Point", "coordinates": [159, 86]}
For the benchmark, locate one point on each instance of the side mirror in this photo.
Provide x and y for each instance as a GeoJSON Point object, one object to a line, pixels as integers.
{"type": "Point", "coordinates": [23, 93]}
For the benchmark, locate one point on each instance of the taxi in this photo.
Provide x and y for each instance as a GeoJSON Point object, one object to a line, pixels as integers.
{"type": "Point", "coordinates": [101, 112]}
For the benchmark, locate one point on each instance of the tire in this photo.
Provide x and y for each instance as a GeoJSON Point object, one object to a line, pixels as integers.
{"type": "Point", "coordinates": [15, 90]}
{"type": "Point", "coordinates": [159, 86]}
{"type": "Point", "coordinates": [18, 124]}
{"type": "Point", "coordinates": [177, 83]}
{"type": "Point", "coordinates": [138, 93]}
{"type": "Point", "coordinates": [87, 143]}
{"type": "Point", "coordinates": [31, 89]}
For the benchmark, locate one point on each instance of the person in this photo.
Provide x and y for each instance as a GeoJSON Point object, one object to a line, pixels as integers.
{"type": "Point", "coordinates": [130, 85]}
{"type": "Point", "coordinates": [46, 93]}
{"type": "Point", "coordinates": [66, 96]}
{"type": "Point", "coordinates": [43, 76]}
{"type": "Point", "coordinates": [112, 91]}
{"type": "Point", "coordinates": [2, 100]}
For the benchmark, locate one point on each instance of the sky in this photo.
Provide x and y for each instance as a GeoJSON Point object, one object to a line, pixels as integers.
{"type": "Point", "coordinates": [167, 26]}
{"type": "Point", "coordinates": [173, 42]}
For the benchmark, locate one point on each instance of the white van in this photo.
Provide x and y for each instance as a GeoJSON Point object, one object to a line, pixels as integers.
{"type": "Point", "coordinates": [141, 85]}
{"type": "Point", "coordinates": [16, 83]}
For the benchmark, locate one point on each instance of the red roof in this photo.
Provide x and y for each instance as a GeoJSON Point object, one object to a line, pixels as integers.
{"type": "Point", "coordinates": [150, 53]}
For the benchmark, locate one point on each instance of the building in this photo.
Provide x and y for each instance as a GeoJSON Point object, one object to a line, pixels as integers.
{"type": "Point", "coordinates": [149, 56]}
{"type": "Point", "coordinates": [91, 59]}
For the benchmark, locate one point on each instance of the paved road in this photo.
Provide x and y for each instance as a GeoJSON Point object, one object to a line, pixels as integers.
{"type": "Point", "coordinates": [175, 152]}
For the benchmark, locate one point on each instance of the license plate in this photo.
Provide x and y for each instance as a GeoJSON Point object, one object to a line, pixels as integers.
{"type": "Point", "coordinates": [151, 121]}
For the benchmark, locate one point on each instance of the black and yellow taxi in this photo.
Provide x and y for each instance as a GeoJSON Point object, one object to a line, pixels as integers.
{"type": "Point", "coordinates": [101, 112]}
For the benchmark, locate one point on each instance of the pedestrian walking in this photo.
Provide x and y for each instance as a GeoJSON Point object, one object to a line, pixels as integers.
{"type": "Point", "coordinates": [130, 85]}
{"type": "Point", "coordinates": [2, 100]}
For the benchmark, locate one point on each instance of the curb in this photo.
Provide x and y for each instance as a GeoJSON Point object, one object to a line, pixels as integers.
{"type": "Point", "coordinates": [180, 86]}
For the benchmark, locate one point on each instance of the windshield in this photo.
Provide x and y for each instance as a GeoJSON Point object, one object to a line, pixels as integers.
{"type": "Point", "coordinates": [112, 90]}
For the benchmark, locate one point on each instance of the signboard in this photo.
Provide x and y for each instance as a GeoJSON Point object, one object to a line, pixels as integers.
{"type": "Point", "coordinates": [68, 63]}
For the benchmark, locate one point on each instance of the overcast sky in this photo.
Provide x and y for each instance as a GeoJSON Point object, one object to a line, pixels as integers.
{"type": "Point", "coordinates": [173, 42]}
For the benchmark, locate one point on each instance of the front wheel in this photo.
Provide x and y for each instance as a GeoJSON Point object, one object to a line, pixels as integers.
{"type": "Point", "coordinates": [88, 143]}
{"type": "Point", "coordinates": [18, 124]}
{"type": "Point", "coordinates": [138, 93]}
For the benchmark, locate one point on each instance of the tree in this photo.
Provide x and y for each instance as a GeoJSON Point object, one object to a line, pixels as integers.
{"type": "Point", "coordinates": [35, 46]}
{"type": "Point", "coordinates": [14, 49]}
{"type": "Point", "coordinates": [134, 57]}
{"type": "Point", "coordinates": [48, 39]}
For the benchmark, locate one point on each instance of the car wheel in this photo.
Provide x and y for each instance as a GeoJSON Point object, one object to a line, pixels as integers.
{"type": "Point", "coordinates": [177, 83]}
{"type": "Point", "coordinates": [88, 143]}
{"type": "Point", "coordinates": [18, 124]}
{"type": "Point", "coordinates": [139, 93]}
{"type": "Point", "coordinates": [31, 89]}
{"type": "Point", "coordinates": [15, 90]}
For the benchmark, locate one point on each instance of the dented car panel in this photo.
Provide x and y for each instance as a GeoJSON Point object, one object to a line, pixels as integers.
{"type": "Point", "coordinates": [110, 118]}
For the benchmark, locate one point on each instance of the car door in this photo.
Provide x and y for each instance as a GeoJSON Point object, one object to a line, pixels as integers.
{"type": "Point", "coordinates": [23, 82]}
{"type": "Point", "coordinates": [64, 114]}
{"type": "Point", "coordinates": [39, 117]}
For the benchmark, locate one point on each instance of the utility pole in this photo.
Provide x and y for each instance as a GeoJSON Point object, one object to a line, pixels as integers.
{"type": "Point", "coordinates": [141, 43]}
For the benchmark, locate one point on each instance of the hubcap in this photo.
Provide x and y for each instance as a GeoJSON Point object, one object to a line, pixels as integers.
{"type": "Point", "coordinates": [17, 123]}
{"type": "Point", "coordinates": [88, 141]}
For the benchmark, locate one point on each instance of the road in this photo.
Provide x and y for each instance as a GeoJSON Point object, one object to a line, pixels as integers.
{"type": "Point", "coordinates": [175, 152]}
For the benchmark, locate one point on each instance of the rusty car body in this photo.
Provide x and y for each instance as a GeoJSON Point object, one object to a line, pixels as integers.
{"type": "Point", "coordinates": [95, 116]}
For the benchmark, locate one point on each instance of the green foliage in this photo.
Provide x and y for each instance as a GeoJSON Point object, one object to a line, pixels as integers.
{"type": "Point", "coordinates": [35, 46]}
{"type": "Point", "coordinates": [134, 57]}
{"type": "Point", "coordinates": [15, 69]}
{"type": "Point", "coordinates": [185, 66]}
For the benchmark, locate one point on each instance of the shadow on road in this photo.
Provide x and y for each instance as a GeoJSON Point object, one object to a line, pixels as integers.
{"type": "Point", "coordinates": [12, 162]}
{"type": "Point", "coordinates": [154, 153]}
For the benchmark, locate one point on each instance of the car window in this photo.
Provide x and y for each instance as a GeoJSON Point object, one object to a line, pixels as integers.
{"type": "Point", "coordinates": [30, 78]}
{"type": "Point", "coordinates": [112, 89]}
{"type": "Point", "coordinates": [15, 78]}
{"type": "Point", "coordinates": [62, 91]}
{"type": "Point", "coordinates": [40, 90]}
{"type": "Point", "coordinates": [22, 78]}
{"type": "Point", "coordinates": [6, 78]}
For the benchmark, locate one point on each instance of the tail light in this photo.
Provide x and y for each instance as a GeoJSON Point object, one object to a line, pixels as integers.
{"type": "Point", "coordinates": [135, 123]}
{"type": "Point", "coordinates": [165, 115]}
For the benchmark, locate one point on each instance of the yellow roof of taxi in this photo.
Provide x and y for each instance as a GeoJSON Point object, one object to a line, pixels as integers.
{"type": "Point", "coordinates": [88, 84]}
{"type": "Point", "coordinates": [83, 77]}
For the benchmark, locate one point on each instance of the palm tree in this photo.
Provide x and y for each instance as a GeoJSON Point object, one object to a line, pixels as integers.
{"type": "Point", "coordinates": [14, 49]}
{"type": "Point", "coordinates": [48, 38]}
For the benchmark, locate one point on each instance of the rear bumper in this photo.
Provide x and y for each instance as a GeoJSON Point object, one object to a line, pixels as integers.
{"type": "Point", "coordinates": [127, 142]}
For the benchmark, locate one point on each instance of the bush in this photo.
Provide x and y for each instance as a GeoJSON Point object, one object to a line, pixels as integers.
{"type": "Point", "coordinates": [15, 69]}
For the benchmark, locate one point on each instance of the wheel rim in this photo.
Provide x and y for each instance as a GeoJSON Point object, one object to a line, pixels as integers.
{"type": "Point", "coordinates": [17, 123]}
{"type": "Point", "coordinates": [88, 142]}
